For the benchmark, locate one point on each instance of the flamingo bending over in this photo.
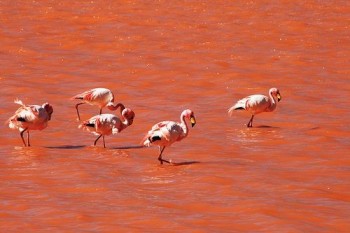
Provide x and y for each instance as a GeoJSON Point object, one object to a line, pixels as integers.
{"type": "Point", "coordinates": [30, 117]}
{"type": "Point", "coordinates": [166, 133]}
{"type": "Point", "coordinates": [107, 124]}
{"type": "Point", "coordinates": [100, 97]}
{"type": "Point", "coordinates": [256, 104]}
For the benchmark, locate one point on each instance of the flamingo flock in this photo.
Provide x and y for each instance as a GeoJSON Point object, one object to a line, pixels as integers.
{"type": "Point", "coordinates": [162, 134]}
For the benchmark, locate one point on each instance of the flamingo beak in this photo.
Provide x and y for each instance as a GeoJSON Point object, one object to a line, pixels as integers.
{"type": "Point", "coordinates": [193, 121]}
{"type": "Point", "coordinates": [279, 97]}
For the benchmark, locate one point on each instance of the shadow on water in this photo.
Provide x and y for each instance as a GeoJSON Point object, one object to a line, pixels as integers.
{"type": "Point", "coordinates": [128, 147]}
{"type": "Point", "coordinates": [67, 147]}
{"type": "Point", "coordinates": [315, 128]}
{"type": "Point", "coordinates": [71, 147]}
{"type": "Point", "coordinates": [267, 126]}
{"type": "Point", "coordinates": [184, 163]}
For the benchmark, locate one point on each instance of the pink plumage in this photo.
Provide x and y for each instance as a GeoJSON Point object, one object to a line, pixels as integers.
{"type": "Point", "coordinates": [100, 97]}
{"type": "Point", "coordinates": [107, 124]}
{"type": "Point", "coordinates": [165, 133]}
{"type": "Point", "coordinates": [256, 104]}
{"type": "Point", "coordinates": [30, 117]}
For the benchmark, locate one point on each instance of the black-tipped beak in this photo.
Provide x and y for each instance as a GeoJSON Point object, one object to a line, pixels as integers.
{"type": "Point", "coordinates": [279, 97]}
{"type": "Point", "coordinates": [193, 121]}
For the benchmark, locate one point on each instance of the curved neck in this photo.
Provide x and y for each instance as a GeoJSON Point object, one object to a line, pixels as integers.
{"type": "Point", "coordinates": [184, 124]}
{"type": "Point", "coordinates": [113, 107]}
{"type": "Point", "coordinates": [124, 123]}
{"type": "Point", "coordinates": [273, 102]}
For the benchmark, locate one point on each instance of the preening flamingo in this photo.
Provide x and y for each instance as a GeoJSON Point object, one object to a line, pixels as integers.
{"type": "Point", "coordinates": [107, 124]}
{"type": "Point", "coordinates": [166, 133]}
{"type": "Point", "coordinates": [256, 104]}
{"type": "Point", "coordinates": [30, 117]}
{"type": "Point", "coordinates": [100, 97]}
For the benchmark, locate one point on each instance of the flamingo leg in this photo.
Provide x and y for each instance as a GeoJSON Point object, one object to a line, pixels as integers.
{"type": "Point", "coordinates": [250, 123]}
{"type": "Point", "coordinates": [97, 139]}
{"type": "Point", "coordinates": [104, 143]}
{"type": "Point", "coordinates": [76, 106]}
{"type": "Point", "coordinates": [161, 160]}
{"type": "Point", "coordinates": [24, 143]}
{"type": "Point", "coordinates": [28, 143]}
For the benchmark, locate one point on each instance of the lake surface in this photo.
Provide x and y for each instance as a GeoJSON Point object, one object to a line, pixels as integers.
{"type": "Point", "coordinates": [289, 173]}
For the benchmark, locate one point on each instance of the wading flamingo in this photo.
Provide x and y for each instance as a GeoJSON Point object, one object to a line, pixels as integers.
{"type": "Point", "coordinates": [256, 104]}
{"type": "Point", "coordinates": [30, 117]}
{"type": "Point", "coordinates": [166, 133]}
{"type": "Point", "coordinates": [107, 124]}
{"type": "Point", "coordinates": [100, 97]}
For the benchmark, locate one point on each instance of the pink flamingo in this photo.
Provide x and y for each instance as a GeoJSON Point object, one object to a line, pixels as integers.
{"type": "Point", "coordinates": [107, 124]}
{"type": "Point", "coordinates": [30, 117]}
{"type": "Point", "coordinates": [98, 96]}
{"type": "Point", "coordinates": [166, 133]}
{"type": "Point", "coordinates": [256, 104]}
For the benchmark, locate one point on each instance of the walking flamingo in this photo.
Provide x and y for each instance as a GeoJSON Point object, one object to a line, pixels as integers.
{"type": "Point", "coordinates": [98, 96]}
{"type": "Point", "coordinates": [166, 133]}
{"type": "Point", "coordinates": [30, 117]}
{"type": "Point", "coordinates": [256, 104]}
{"type": "Point", "coordinates": [107, 124]}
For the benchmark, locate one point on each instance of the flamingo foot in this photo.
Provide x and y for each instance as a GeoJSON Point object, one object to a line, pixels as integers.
{"type": "Point", "coordinates": [163, 160]}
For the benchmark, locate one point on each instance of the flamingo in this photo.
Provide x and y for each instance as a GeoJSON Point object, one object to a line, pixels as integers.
{"type": "Point", "coordinates": [256, 104]}
{"type": "Point", "coordinates": [166, 133]}
{"type": "Point", "coordinates": [107, 124]}
{"type": "Point", "coordinates": [30, 117]}
{"type": "Point", "coordinates": [98, 96]}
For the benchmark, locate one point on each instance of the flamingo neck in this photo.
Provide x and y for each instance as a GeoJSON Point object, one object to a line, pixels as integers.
{"type": "Point", "coordinates": [125, 122]}
{"type": "Point", "coordinates": [273, 102]}
{"type": "Point", "coordinates": [113, 107]}
{"type": "Point", "coordinates": [184, 125]}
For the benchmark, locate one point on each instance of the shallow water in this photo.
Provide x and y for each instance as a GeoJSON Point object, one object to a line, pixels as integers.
{"type": "Point", "coordinates": [289, 173]}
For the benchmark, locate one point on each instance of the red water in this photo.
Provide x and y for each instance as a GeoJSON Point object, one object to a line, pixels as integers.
{"type": "Point", "coordinates": [290, 173]}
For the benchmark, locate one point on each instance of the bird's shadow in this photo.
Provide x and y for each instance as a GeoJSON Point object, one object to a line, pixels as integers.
{"type": "Point", "coordinates": [183, 163]}
{"type": "Point", "coordinates": [128, 147]}
{"type": "Point", "coordinates": [266, 127]}
{"type": "Point", "coordinates": [67, 147]}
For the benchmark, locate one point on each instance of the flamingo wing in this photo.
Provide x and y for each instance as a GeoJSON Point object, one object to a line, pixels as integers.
{"type": "Point", "coordinates": [87, 95]}
{"type": "Point", "coordinates": [257, 103]}
{"type": "Point", "coordinates": [163, 133]}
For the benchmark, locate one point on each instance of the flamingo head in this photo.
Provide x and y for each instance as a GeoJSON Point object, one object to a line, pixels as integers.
{"type": "Point", "coordinates": [275, 92]}
{"type": "Point", "coordinates": [129, 115]}
{"type": "Point", "coordinates": [48, 108]}
{"type": "Point", "coordinates": [189, 115]}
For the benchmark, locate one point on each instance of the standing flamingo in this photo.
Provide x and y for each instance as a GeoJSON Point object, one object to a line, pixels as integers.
{"type": "Point", "coordinates": [107, 124]}
{"type": "Point", "coordinates": [256, 104]}
{"type": "Point", "coordinates": [166, 133]}
{"type": "Point", "coordinates": [98, 96]}
{"type": "Point", "coordinates": [30, 117]}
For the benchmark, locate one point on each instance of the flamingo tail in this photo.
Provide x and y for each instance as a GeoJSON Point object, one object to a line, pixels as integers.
{"type": "Point", "coordinates": [86, 125]}
{"type": "Point", "coordinates": [77, 97]}
{"type": "Point", "coordinates": [17, 101]}
{"type": "Point", "coordinates": [238, 106]}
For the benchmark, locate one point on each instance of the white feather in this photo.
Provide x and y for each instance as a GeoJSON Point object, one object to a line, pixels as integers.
{"type": "Point", "coordinates": [17, 101]}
